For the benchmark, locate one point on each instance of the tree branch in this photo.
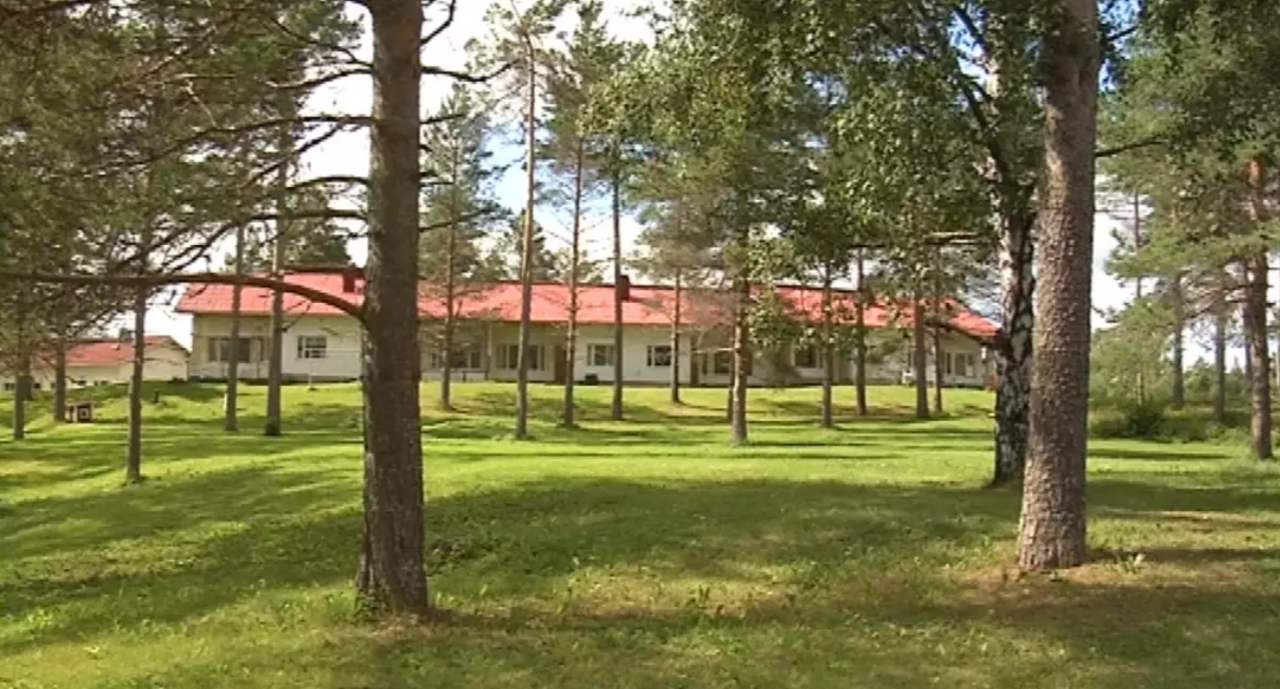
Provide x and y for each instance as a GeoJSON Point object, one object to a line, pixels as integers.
{"type": "Point", "coordinates": [143, 281]}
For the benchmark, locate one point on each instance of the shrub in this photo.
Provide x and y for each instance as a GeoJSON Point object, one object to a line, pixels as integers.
{"type": "Point", "coordinates": [1131, 420]}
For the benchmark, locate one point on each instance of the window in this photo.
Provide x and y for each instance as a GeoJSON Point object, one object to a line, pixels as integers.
{"type": "Point", "coordinates": [722, 363]}
{"type": "Point", "coordinates": [313, 347]}
{"type": "Point", "coordinates": [466, 358]}
{"type": "Point", "coordinates": [10, 387]}
{"type": "Point", "coordinates": [659, 356]}
{"type": "Point", "coordinates": [509, 357]}
{"type": "Point", "coordinates": [599, 355]}
{"type": "Point", "coordinates": [220, 349]}
{"type": "Point", "coordinates": [35, 386]}
{"type": "Point", "coordinates": [808, 357]}
{"type": "Point", "coordinates": [961, 360]}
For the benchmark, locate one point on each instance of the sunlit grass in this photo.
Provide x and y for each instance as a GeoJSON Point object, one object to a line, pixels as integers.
{"type": "Point", "coordinates": [645, 553]}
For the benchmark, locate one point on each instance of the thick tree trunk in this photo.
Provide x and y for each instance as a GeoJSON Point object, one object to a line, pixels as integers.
{"type": "Point", "coordinates": [571, 330]}
{"type": "Point", "coordinates": [275, 366]}
{"type": "Point", "coordinates": [526, 251]}
{"type": "Point", "coordinates": [741, 352]}
{"type": "Point", "coordinates": [60, 376]}
{"type": "Point", "coordinates": [1256, 270]}
{"type": "Point", "coordinates": [860, 335]}
{"type": "Point", "coordinates": [616, 409]}
{"type": "Point", "coordinates": [675, 343]}
{"type": "Point", "coordinates": [231, 415]}
{"type": "Point", "coordinates": [1220, 361]}
{"type": "Point", "coordinates": [829, 363]}
{"type": "Point", "coordinates": [1014, 348]}
{"type": "Point", "coordinates": [133, 458]}
{"type": "Point", "coordinates": [1255, 318]}
{"type": "Point", "coordinates": [1052, 527]}
{"type": "Point", "coordinates": [1179, 347]}
{"type": "Point", "coordinates": [920, 359]}
{"type": "Point", "coordinates": [391, 575]}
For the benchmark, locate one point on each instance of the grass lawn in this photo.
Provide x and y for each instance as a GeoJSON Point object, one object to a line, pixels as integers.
{"type": "Point", "coordinates": [641, 554]}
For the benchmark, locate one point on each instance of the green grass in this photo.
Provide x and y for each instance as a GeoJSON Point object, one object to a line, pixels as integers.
{"type": "Point", "coordinates": [638, 554]}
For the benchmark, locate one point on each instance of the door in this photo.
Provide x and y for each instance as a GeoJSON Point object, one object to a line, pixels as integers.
{"type": "Point", "coordinates": [561, 367]}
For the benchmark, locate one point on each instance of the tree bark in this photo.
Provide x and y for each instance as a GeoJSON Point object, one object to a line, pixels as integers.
{"type": "Point", "coordinates": [939, 370]}
{"type": "Point", "coordinates": [1052, 526]}
{"type": "Point", "coordinates": [391, 575]}
{"type": "Point", "coordinates": [231, 415]}
{"type": "Point", "coordinates": [571, 330]}
{"type": "Point", "coordinates": [1221, 320]}
{"type": "Point", "coordinates": [133, 458]}
{"type": "Point", "coordinates": [22, 380]}
{"type": "Point", "coordinates": [526, 249]}
{"type": "Point", "coordinates": [829, 363]}
{"type": "Point", "coordinates": [920, 359]}
{"type": "Point", "coordinates": [275, 366]}
{"type": "Point", "coordinates": [1014, 346]}
{"type": "Point", "coordinates": [60, 375]}
{"type": "Point", "coordinates": [675, 343]}
{"type": "Point", "coordinates": [1179, 348]}
{"type": "Point", "coordinates": [741, 350]}
{"type": "Point", "coordinates": [1256, 269]}
{"type": "Point", "coordinates": [860, 335]}
{"type": "Point", "coordinates": [450, 287]}
{"type": "Point", "coordinates": [615, 411]}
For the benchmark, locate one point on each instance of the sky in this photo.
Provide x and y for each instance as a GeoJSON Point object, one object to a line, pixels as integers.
{"type": "Point", "coordinates": [348, 154]}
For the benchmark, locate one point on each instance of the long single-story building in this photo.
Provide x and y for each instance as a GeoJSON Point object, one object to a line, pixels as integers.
{"type": "Point", "coordinates": [322, 343]}
{"type": "Point", "coordinates": [108, 361]}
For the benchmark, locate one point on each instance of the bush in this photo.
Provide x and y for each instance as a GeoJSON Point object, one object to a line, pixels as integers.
{"type": "Point", "coordinates": [1131, 420]}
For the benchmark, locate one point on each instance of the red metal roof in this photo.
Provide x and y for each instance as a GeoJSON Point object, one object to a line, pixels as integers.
{"type": "Point", "coordinates": [109, 352]}
{"type": "Point", "coordinates": [648, 305]}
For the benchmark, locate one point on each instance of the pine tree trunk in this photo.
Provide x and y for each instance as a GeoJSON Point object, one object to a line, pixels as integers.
{"type": "Point", "coordinates": [675, 343]}
{"type": "Point", "coordinates": [829, 363]}
{"type": "Point", "coordinates": [526, 251]}
{"type": "Point", "coordinates": [22, 381]}
{"type": "Point", "coordinates": [1220, 361]}
{"type": "Point", "coordinates": [60, 376]}
{"type": "Point", "coordinates": [133, 459]}
{"type": "Point", "coordinates": [1256, 270]}
{"type": "Point", "coordinates": [231, 415]}
{"type": "Point", "coordinates": [741, 351]}
{"type": "Point", "coordinates": [450, 286]}
{"type": "Point", "coordinates": [571, 330]}
{"type": "Point", "coordinates": [391, 575]}
{"type": "Point", "coordinates": [616, 408]}
{"type": "Point", "coordinates": [939, 371]}
{"type": "Point", "coordinates": [1179, 348]}
{"type": "Point", "coordinates": [860, 344]}
{"type": "Point", "coordinates": [1052, 526]}
{"type": "Point", "coordinates": [1014, 349]}
{"type": "Point", "coordinates": [920, 359]}
{"type": "Point", "coordinates": [275, 366]}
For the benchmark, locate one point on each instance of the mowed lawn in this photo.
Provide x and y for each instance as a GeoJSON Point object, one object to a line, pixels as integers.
{"type": "Point", "coordinates": [643, 554]}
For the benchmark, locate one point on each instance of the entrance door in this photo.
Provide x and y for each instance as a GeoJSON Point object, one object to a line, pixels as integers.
{"type": "Point", "coordinates": [561, 367]}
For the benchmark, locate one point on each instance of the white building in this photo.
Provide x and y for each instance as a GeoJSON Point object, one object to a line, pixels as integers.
{"type": "Point", "coordinates": [109, 361]}
{"type": "Point", "coordinates": [322, 343]}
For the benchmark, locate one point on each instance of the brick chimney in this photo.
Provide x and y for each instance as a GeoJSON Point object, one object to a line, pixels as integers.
{"type": "Point", "coordinates": [624, 287]}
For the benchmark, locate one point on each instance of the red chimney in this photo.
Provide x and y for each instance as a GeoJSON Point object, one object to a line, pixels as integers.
{"type": "Point", "coordinates": [624, 288]}
{"type": "Point", "coordinates": [349, 280]}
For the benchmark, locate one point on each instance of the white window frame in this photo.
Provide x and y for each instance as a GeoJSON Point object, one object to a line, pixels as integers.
{"type": "Point", "coordinates": [466, 358]}
{"type": "Point", "coordinates": [818, 356]}
{"type": "Point", "coordinates": [508, 357]}
{"type": "Point", "coordinates": [595, 349]}
{"type": "Point", "coordinates": [312, 347]}
{"type": "Point", "coordinates": [724, 356]}
{"type": "Point", "coordinates": [220, 349]}
{"type": "Point", "coordinates": [651, 356]}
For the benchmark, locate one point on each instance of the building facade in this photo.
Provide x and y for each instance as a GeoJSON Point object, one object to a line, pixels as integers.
{"type": "Point", "coordinates": [109, 361]}
{"type": "Point", "coordinates": [322, 343]}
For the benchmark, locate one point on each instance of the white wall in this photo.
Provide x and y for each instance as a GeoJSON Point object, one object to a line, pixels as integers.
{"type": "Point", "coordinates": [341, 333]}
